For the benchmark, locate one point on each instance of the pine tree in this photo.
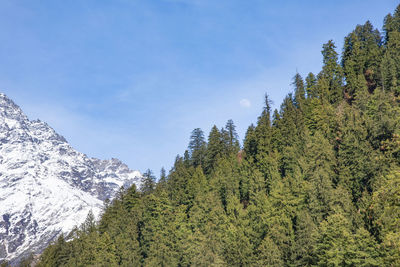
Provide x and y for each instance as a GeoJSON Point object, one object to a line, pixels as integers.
{"type": "Point", "coordinates": [232, 139]}
{"type": "Point", "coordinates": [162, 182]}
{"type": "Point", "coordinates": [197, 147]}
{"type": "Point", "coordinates": [386, 213]}
{"type": "Point", "coordinates": [316, 185]}
{"type": "Point", "coordinates": [250, 144]}
{"type": "Point", "coordinates": [215, 149]}
{"type": "Point", "coordinates": [361, 60]}
{"type": "Point", "coordinates": [147, 182]}
{"type": "Point", "coordinates": [304, 242]}
{"type": "Point", "coordinates": [299, 90]}
{"type": "Point", "coordinates": [391, 23]}
{"type": "Point", "coordinates": [311, 82]}
{"type": "Point", "coordinates": [268, 254]}
{"type": "Point", "coordinates": [330, 79]}
{"type": "Point", "coordinates": [336, 245]}
{"type": "Point", "coordinates": [353, 152]}
{"type": "Point", "coordinates": [89, 225]}
{"type": "Point", "coordinates": [263, 130]}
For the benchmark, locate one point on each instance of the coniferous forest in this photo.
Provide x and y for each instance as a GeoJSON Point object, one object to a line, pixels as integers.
{"type": "Point", "coordinates": [316, 182]}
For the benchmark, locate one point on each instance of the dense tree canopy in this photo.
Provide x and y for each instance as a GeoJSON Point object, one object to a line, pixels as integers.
{"type": "Point", "coordinates": [315, 183]}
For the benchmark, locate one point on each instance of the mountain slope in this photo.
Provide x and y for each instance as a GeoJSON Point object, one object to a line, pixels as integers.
{"type": "Point", "coordinates": [47, 187]}
{"type": "Point", "coordinates": [316, 183]}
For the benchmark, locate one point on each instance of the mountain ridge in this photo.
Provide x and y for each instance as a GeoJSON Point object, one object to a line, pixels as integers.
{"type": "Point", "coordinates": [46, 186]}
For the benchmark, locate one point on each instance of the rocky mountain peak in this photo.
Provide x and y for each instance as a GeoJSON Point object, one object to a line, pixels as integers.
{"type": "Point", "coordinates": [46, 186]}
{"type": "Point", "coordinates": [9, 110]}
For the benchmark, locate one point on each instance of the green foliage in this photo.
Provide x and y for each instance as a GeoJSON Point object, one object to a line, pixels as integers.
{"type": "Point", "coordinates": [390, 66]}
{"type": "Point", "coordinates": [385, 207]}
{"type": "Point", "coordinates": [231, 138]}
{"type": "Point", "coordinates": [215, 149]}
{"type": "Point", "coordinates": [330, 79]}
{"type": "Point", "coordinates": [361, 59]}
{"type": "Point", "coordinates": [299, 90]}
{"type": "Point", "coordinates": [316, 183]}
{"type": "Point", "coordinates": [148, 182]}
{"type": "Point", "coordinates": [268, 254]}
{"type": "Point", "coordinates": [197, 147]}
{"type": "Point", "coordinates": [337, 245]}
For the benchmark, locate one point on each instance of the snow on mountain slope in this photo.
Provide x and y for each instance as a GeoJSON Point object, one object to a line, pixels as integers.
{"type": "Point", "coordinates": [47, 187]}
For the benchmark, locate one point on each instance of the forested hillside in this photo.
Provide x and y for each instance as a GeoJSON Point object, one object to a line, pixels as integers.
{"type": "Point", "coordinates": [314, 183]}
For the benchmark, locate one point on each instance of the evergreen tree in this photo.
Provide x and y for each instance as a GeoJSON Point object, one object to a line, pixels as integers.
{"type": "Point", "coordinates": [148, 182]}
{"type": "Point", "coordinates": [232, 139]}
{"type": "Point", "coordinates": [299, 90]}
{"type": "Point", "coordinates": [250, 144]}
{"type": "Point", "coordinates": [89, 225]}
{"type": "Point", "coordinates": [386, 212]}
{"type": "Point", "coordinates": [390, 67]}
{"type": "Point", "coordinates": [361, 59]}
{"type": "Point", "coordinates": [215, 149]}
{"type": "Point", "coordinates": [311, 82]}
{"type": "Point", "coordinates": [162, 182]}
{"type": "Point", "coordinates": [316, 185]}
{"type": "Point", "coordinates": [337, 246]}
{"type": "Point", "coordinates": [320, 176]}
{"type": "Point", "coordinates": [197, 147]}
{"type": "Point", "coordinates": [330, 79]}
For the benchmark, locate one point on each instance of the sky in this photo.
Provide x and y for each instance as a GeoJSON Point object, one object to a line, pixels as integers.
{"type": "Point", "coordinates": [130, 79]}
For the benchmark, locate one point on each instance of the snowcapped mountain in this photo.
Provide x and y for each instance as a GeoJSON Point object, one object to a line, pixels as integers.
{"type": "Point", "coordinates": [46, 186]}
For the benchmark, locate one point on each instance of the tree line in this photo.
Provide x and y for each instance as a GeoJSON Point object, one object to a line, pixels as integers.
{"type": "Point", "coordinates": [315, 183]}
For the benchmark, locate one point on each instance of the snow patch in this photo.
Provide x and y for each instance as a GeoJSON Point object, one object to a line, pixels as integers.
{"type": "Point", "coordinates": [47, 187]}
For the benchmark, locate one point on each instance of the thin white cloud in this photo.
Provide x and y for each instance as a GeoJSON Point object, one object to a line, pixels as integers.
{"type": "Point", "coordinates": [245, 103]}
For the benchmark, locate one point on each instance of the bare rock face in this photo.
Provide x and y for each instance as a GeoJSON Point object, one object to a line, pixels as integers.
{"type": "Point", "coordinates": [47, 187]}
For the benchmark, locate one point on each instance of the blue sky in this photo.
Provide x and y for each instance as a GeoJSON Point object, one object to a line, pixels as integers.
{"type": "Point", "coordinates": [131, 79]}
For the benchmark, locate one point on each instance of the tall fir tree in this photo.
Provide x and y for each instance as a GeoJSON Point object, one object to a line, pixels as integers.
{"type": "Point", "coordinates": [197, 147]}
